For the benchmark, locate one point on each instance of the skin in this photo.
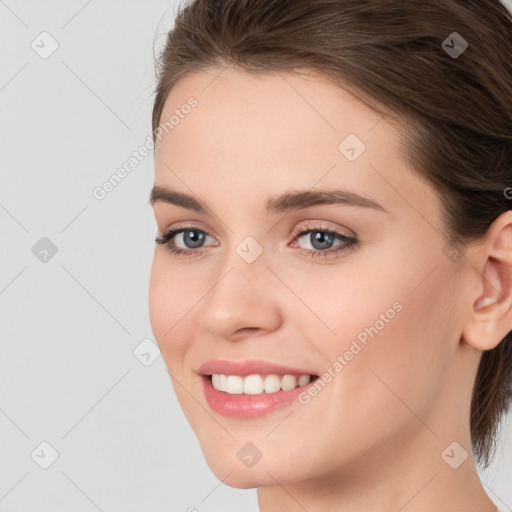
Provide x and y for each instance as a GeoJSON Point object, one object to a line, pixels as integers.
{"type": "Point", "coordinates": [372, 439]}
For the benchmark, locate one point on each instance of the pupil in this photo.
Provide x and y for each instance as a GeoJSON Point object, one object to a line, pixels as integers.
{"type": "Point", "coordinates": [195, 238]}
{"type": "Point", "coordinates": [321, 237]}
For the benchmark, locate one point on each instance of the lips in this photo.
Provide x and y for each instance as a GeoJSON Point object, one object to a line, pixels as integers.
{"type": "Point", "coordinates": [244, 368]}
{"type": "Point", "coordinates": [238, 403]}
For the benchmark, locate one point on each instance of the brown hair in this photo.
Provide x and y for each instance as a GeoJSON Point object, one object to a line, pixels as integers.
{"type": "Point", "coordinates": [455, 110]}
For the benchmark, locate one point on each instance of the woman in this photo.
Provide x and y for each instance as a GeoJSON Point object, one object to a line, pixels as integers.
{"type": "Point", "coordinates": [331, 287]}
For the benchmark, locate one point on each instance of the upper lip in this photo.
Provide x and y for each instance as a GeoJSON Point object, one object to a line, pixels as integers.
{"type": "Point", "coordinates": [248, 367]}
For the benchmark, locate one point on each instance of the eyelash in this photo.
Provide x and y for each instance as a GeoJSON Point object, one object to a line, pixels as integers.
{"type": "Point", "coordinates": [166, 239]}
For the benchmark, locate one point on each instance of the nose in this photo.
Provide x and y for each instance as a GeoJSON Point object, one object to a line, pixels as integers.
{"type": "Point", "coordinates": [242, 303]}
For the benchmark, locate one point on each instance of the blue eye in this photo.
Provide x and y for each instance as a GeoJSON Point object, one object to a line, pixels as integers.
{"type": "Point", "coordinates": [193, 236]}
{"type": "Point", "coordinates": [321, 239]}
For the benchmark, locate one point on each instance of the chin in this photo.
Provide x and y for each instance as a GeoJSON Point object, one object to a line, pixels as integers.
{"type": "Point", "coordinates": [235, 475]}
{"type": "Point", "coordinates": [226, 461]}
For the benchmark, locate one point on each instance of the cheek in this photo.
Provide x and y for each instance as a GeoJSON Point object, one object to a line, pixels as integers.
{"type": "Point", "coordinates": [392, 324]}
{"type": "Point", "coordinates": [158, 298]}
{"type": "Point", "coordinates": [170, 298]}
{"type": "Point", "coordinates": [404, 363]}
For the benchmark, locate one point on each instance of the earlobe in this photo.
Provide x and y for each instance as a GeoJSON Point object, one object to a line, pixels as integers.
{"type": "Point", "coordinates": [491, 316]}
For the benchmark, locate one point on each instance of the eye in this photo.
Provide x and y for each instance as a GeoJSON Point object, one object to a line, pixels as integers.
{"type": "Point", "coordinates": [321, 239]}
{"type": "Point", "coordinates": [190, 236]}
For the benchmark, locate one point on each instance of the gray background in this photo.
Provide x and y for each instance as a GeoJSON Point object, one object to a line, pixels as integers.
{"type": "Point", "coordinates": [69, 325]}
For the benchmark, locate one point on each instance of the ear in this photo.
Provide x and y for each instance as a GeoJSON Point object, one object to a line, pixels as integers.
{"type": "Point", "coordinates": [491, 316]}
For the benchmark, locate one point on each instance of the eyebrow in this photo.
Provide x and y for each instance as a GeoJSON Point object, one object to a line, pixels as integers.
{"type": "Point", "coordinates": [282, 203]}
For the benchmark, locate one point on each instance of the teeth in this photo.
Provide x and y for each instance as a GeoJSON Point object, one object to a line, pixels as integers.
{"type": "Point", "coordinates": [288, 382]}
{"type": "Point", "coordinates": [253, 385]}
{"type": "Point", "coordinates": [303, 380]}
{"type": "Point", "coordinates": [235, 385]}
{"type": "Point", "coordinates": [257, 384]}
{"type": "Point", "coordinates": [272, 383]}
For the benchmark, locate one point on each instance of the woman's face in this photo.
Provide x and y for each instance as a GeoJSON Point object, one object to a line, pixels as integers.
{"type": "Point", "coordinates": [368, 300]}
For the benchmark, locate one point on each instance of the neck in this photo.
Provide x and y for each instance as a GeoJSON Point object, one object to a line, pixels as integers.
{"type": "Point", "coordinates": [415, 478]}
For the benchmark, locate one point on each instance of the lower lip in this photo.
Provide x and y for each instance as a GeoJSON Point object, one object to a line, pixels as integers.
{"type": "Point", "coordinates": [247, 406]}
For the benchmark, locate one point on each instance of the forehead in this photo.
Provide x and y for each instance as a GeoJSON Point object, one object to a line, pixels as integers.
{"type": "Point", "coordinates": [262, 133]}
{"type": "Point", "coordinates": [268, 108]}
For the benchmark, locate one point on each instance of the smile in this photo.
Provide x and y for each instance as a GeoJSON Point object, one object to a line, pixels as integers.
{"type": "Point", "coordinates": [257, 384]}
{"type": "Point", "coordinates": [248, 389]}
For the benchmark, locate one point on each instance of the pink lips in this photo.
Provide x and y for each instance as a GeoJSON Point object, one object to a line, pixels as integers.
{"type": "Point", "coordinates": [244, 368]}
{"type": "Point", "coordinates": [247, 406]}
